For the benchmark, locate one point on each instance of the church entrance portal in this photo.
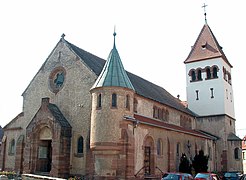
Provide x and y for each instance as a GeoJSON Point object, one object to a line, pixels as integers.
{"type": "Point", "coordinates": [44, 156]}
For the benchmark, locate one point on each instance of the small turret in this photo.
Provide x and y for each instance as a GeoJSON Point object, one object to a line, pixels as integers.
{"type": "Point", "coordinates": [112, 99]}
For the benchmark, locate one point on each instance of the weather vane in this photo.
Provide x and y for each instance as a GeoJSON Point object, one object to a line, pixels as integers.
{"type": "Point", "coordinates": [205, 14]}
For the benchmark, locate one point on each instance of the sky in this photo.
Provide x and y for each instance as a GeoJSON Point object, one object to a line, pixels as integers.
{"type": "Point", "coordinates": [154, 37]}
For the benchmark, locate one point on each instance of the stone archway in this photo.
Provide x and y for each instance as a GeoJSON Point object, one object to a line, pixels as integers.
{"type": "Point", "coordinates": [48, 142]}
{"type": "Point", "coordinates": [48, 150]}
{"type": "Point", "coordinates": [44, 146]}
{"type": "Point", "coordinates": [38, 151]}
{"type": "Point", "coordinates": [149, 158]}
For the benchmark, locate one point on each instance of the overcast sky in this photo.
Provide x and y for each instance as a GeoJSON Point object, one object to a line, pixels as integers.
{"type": "Point", "coordinates": [153, 39]}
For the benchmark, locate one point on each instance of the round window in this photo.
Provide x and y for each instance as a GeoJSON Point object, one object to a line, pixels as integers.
{"type": "Point", "coordinates": [57, 79]}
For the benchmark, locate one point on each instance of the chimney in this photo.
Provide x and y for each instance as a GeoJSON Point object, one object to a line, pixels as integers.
{"type": "Point", "coordinates": [45, 102]}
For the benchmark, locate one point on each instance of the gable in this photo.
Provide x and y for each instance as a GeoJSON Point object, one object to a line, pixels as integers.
{"type": "Point", "coordinates": [47, 115]}
{"type": "Point", "coordinates": [206, 47]}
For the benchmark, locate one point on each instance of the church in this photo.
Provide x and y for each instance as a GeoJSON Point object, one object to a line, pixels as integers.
{"type": "Point", "coordinates": [89, 117]}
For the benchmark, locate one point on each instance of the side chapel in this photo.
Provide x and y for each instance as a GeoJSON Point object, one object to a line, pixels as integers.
{"type": "Point", "coordinates": [86, 116]}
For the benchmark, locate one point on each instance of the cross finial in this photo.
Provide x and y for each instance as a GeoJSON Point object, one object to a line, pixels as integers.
{"type": "Point", "coordinates": [205, 14]}
{"type": "Point", "coordinates": [114, 36]}
{"type": "Point", "coordinates": [63, 35]}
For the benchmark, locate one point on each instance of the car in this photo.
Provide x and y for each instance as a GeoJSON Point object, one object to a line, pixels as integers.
{"type": "Point", "coordinates": [206, 176]}
{"type": "Point", "coordinates": [231, 176]}
{"type": "Point", "coordinates": [242, 177]}
{"type": "Point", "coordinates": [176, 176]}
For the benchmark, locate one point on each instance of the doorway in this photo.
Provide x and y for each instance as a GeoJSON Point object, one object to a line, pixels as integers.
{"type": "Point", "coordinates": [147, 152]}
{"type": "Point", "coordinates": [44, 156]}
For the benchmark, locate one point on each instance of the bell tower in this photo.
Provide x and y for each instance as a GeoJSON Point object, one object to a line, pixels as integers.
{"type": "Point", "coordinates": [210, 96]}
{"type": "Point", "coordinates": [208, 77]}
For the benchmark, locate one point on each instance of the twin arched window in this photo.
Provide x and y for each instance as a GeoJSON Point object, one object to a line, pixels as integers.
{"type": "Point", "coordinates": [214, 73]}
{"type": "Point", "coordinates": [196, 75]}
{"type": "Point", "coordinates": [160, 113]}
{"type": "Point", "coordinates": [227, 75]}
{"type": "Point", "coordinates": [185, 122]}
{"type": "Point", "coordinates": [211, 73]}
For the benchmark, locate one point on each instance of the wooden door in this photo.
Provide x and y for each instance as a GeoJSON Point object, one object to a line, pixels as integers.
{"type": "Point", "coordinates": [147, 152]}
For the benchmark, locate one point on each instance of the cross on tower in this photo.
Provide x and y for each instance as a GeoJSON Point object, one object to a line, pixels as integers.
{"type": "Point", "coordinates": [114, 36]}
{"type": "Point", "coordinates": [205, 14]}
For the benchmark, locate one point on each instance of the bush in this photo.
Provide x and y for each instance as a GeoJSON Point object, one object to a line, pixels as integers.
{"type": "Point", "coordinates": [184, 166]}
{"type": "Point", "coordinates": [9, 174]}
{"type": "Point", "coordinates": [200, 162]}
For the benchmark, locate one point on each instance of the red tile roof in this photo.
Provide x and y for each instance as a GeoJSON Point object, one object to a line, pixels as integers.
{"type": "Point", "coordinates": [206, 47]}
{"type": "Point", "coordinates": [170, 127]}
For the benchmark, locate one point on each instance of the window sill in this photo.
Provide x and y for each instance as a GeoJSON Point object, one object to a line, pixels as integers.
{"type": "Point", "coordinates": [78, 155]}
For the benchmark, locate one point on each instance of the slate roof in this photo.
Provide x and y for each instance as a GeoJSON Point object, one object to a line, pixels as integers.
{"type": "Point", "coordinates": [206, 47]}
{"type": "Point", "coordinates": [209, 135]}
{"type": "Point", "coordinates": [141, 86]}
{"type": "Point", "coordinates": [233, 137]}
{"type": "Point", "coordinates": [59, 116]}
{"type": "Point", "coordinates": [1, 133]}
{"type": "Point", "coordinates": [171, 127]}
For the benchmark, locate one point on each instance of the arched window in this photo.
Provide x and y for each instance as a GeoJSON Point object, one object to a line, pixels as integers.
{"type": "Point", "coordinates": [159, 113]}
{"type": "Point", "coordinates": [229, 78]}
{"type": "Point", "coordinates": [199, 74]}
{"type": "Point", "coordinates": [236, 153]}
{"type": "Point", "coordinates": [167, 115]}
{"type": "Point", "coordinates": [114, 100]}
{"type": "Point", "coordinates": [209, 152]}
{"type": "Point", "coordinates": [99, 101]}
{"type": "Point", "coordinates": [163, 114]}
{"type": "Point", "coordinates": [159, 147]}
{"type": "Point", "coordinates": [224, 73]}
{"type": "Point", "coordinates": [135, 105]}
{"type": "Point", "coordinates": [155, 112]}
{"type": "Point", "coordinates": [215, 72]}
{"type": "Point", "coordinates": [178, 149]}
{"type": "Point", "coordinates": [127, 102]}
{"type": "Point", "coordinates": [193, 75]}
{"type": "Point", "coordinates": [80, 145]}
{"type": "Point", "coordinates": [12, 147]}
{"type": "Point", "coordinates": [208, 72]}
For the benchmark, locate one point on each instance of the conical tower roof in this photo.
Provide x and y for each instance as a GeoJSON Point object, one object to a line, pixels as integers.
{"type": "Point", "coordinates": [113, 73]}
{"type": "Point", "coordinates": [206, 47]}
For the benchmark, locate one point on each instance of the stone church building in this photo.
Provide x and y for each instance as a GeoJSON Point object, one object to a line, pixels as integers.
{"type": "Point", "coordinates": [89, 117]}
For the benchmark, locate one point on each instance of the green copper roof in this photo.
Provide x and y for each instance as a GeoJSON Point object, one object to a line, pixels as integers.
{"type": "Point", "coordinates": [113, 73]}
